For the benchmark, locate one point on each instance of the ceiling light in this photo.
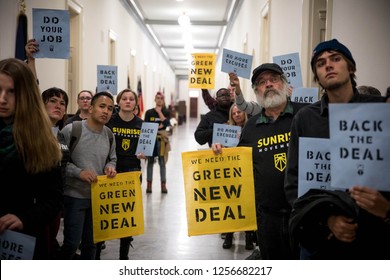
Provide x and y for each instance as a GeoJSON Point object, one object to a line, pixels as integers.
{"type": "Point", "coordinates": [184, 20]}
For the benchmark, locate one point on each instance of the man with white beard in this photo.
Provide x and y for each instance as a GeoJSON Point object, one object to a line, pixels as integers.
{"type": "Point", "coordinates": [268, 133]}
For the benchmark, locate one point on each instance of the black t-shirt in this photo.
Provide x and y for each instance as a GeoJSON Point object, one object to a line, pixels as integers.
{"type": "Point", "coordinates": [126, 137]}
{"type": "Point", "coordinates": [270, 140]}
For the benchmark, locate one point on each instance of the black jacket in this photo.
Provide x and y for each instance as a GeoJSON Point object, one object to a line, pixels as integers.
{"type": "Point", "coordinates": [204, 132]}
{"type": "Point", "coordinates": [308, 227]}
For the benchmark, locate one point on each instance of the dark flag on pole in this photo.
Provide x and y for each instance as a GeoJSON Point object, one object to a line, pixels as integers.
{"type": "Point", "coordinates": [128, 79]}
{"type": "Point", "coordinates": [140, 101]}
{"type": "Point", "coordinates": [21, 34]}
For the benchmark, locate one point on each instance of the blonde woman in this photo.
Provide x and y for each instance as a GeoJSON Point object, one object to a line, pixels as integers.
{"type": "Point", "coordinates": [239, 118]}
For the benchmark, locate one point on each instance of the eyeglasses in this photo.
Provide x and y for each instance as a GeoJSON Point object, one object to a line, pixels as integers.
{"type": "Point", "coordinates": [223, 95]}
{"type": "Point", "coordinates": [272, 79]}
{"type": "Point", "coordinates": [85, 98]}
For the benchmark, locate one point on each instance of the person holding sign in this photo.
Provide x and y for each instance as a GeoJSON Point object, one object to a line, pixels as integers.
{"type": "Point", "coordinates": [56, 103]}
{"type": "Point", "coordinates": [126, 126]}
{"type": "Point", "coordinates": [204, 131]}
{"type": "Point", "coordinates": [239, 118]}
{"type": "Point", "coordinates": [250, 107]}
{"type": "Point", "coordinates": [211, 102]}
{"type": "Point", "coordinates": [83, 98]}
{"type": "Point", "coordinates": [159, 114]}
{"type": "Point", "coordinates": [32, 198]}
{"type": "Point", "coordinates": [92, 155]}
{"type": "Point", "coordinates": [268, 134]}
{"type": "Point", "coordinates": [344, 237]}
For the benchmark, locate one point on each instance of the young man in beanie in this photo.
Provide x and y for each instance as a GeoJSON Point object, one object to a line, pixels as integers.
{"type": "Point", "coordinates": [268, 134]}
{"type": "Point", "coordinates": [334, 69]}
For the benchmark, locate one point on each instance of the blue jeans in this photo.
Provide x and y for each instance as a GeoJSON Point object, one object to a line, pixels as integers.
{"type": "Point", "coordinates": [78, 229]}
{"type": "Point", "coordinates": [149, 170]}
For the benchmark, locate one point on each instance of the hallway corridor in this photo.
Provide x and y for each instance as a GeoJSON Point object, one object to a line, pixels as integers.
{"type": "Point", "coordinates": [166, 236]}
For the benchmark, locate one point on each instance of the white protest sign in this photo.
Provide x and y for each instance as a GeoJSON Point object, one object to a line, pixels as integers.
{"type": "Point", "coordinates": [239, 63]}
{"type": "Point", "coordinates": [227, 135]}
{"type": "Point", "coordinates": [360, 137]}
{"type": "Point", "coordinates": [147, 138]}
{"type": "Point", "coordinates": [51, 30]}
{"type": "Point", "coordinates": [314, 164]}
{"type": "Point", "coordinates": [291, 66]}
{"type": "Point", "coordinates": [16, 246]}
{"type": "Point", "coordinates": [107, 77]}
{"type": "Point", "coordinates": [305, 95]}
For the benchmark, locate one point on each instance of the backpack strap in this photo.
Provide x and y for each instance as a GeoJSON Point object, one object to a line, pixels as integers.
{"type": "Point", "coordinates": [75, 135]}
{"type": "Point", "coordinates": [110, 135]}
{"type": "Point", "coordinates": [111, 139]}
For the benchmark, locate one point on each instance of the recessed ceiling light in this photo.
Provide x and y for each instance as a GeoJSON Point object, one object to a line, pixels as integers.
{"type": "Point", "coordinates": [184, 20]}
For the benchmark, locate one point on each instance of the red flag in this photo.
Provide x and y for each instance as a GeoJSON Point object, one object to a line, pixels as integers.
{"type": "Point", "coordinates": [140, 101]}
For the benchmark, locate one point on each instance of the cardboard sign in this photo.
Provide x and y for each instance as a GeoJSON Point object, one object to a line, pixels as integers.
{"type": "Point", "coordinates": [107, 77]}
{"type": "Point", "coordinates": [219, 190]}
{"type": "Point", "coordinates": [305, 95]}
{"type": "Point", "coordinates": [51, 30]}
{"type": "Point", "coordinates": [360, 137]}
{"type": "Point", "coordinates": [117, 208]}
{"type": "Point", "coordinates": [202, 71]}
{"type": "Point", "coordinates": [314, 164]}
{"type": "Point", "coordinates": [147, 138]}
{"type": "Point", "coordinates": [291, 66]}
{"type": "Point", "coordinates": [239, 63]}
{"type": "Point", "coordinates": [227, 135]}
{"type": "Point", "coordinates": [16, 246]}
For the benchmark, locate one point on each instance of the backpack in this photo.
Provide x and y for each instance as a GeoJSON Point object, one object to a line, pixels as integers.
{"type": "Point", "coordinates": [76, 133]}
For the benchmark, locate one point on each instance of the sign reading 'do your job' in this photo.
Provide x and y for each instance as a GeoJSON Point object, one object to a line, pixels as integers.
{"type": "Point", "coordinates": [51, 30]}
{"type": "Point", "coordinates": [291, 67]}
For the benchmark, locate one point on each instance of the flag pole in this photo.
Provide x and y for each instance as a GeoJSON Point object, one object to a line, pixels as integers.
{"type": "Point", "coordinates": [21, 32]}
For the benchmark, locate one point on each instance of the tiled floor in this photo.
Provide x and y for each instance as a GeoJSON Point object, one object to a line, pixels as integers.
{"type": "Point", "coordinates": [165, 236]}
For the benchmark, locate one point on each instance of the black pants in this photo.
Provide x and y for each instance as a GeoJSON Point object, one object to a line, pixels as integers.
{"type": "Point", "coordinates": [124, 247]}
{"type": "Point", "coordinates": [273, 236]}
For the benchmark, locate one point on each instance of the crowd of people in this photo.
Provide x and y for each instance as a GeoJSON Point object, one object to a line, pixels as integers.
{"type": "Point", "coordinates": [288, 225]}
{"type": "Point", "coordinates": [54, 172]}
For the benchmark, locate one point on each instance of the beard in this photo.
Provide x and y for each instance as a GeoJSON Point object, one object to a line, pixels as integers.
{"type": "Point", "coordinates": [335, 85]}
{"type": "Point", "coordinates": [272, 97]}
{"type": "Point", "coordinates": [225, 104]}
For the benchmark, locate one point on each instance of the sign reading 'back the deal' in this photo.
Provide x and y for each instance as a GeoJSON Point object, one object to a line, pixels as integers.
{"type": "Point", "coordinates": [107, 77]}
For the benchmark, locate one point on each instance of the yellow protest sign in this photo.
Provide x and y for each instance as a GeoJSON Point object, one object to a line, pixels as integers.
{"type": "Point", "coordinates": [219, 190]}
{"type": "Point", "coordinates": [202, 71]}
{"type": "Point", "coordinates": [117, 209]}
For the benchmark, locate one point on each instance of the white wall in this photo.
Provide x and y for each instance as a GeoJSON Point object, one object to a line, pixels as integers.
{"type": "Point", "coordinates": [98, 18]}
{"type": "Point", "coordinates": [364, 27]}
